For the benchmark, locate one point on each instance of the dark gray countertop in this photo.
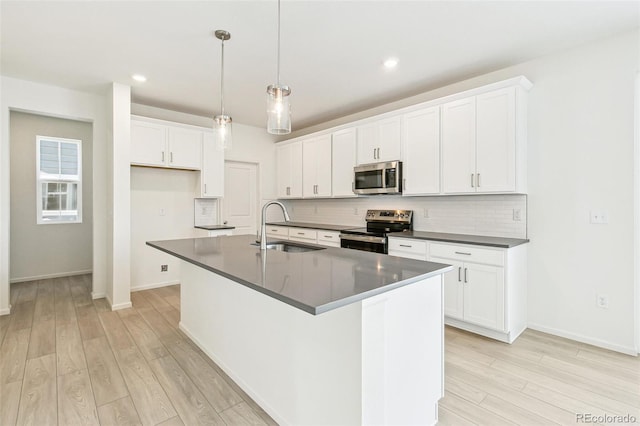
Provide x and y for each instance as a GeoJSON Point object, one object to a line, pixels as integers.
{"type": "Point", "coordinates": [461, 238]}
{"type": "Point", "coordinates": [324, 226]}
{"type": "Point", "coordinates": [314, 281]}
{"type": "Point", "coordinates": [214, 227]}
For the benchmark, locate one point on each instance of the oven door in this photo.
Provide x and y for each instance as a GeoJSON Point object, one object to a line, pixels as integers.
{"type": "Point", "coordinates": [364, 243]}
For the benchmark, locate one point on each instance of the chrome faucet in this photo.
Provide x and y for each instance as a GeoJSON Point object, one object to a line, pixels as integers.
{"type": "Point", "coordinates": [263, 228]}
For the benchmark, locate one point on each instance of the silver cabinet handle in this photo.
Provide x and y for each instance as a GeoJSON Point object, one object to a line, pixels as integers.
{"type": "Point", "coordinates": [329, 236]}
{"type": "Point", "coordinates": [478, 180]}
{"type": "Point", "coordinates": [163, 156]}
{"type": "Point", "coordinates": [378, 153]}
{"type": "Point", "coordinates": [353, 186]}
{"type": "Point", "coordinates": [288, 190]}
{"type": "Point", "coordinates": [205, 188]}
{"type": "Point", "coordinates": [374, 154]}
{"type": "Point", "coordinates": [459, 273]}
{"type": "Point", "coordinates": [300, 233]}
{"type": "Point", "coordinates": [461, 252]}
{"type": "Point", "coordinates": [171, 157]}
{"type": "Point", "coordinates": [406, 245]}
{"type": "Point", "coordinates": [465, 275]}
{"type": "Point", "coordinates": [472, 179]}
{"type": "Point", "coordinates": [404, 183]}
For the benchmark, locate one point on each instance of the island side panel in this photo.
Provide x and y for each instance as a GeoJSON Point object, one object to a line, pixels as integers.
{"type": "Point", "coordinates": [300, 368]}
{"type": "Point", "coordinates": [403, 343]}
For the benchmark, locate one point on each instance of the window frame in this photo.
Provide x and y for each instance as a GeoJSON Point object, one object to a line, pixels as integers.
{"type": "Point", "coordinates": [40, 220]}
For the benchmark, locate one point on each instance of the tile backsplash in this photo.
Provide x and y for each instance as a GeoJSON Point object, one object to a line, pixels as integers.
{"type": "Point", "coordinates": [205, 211]}
{"type": "Point", "coordinates": [491, 215]}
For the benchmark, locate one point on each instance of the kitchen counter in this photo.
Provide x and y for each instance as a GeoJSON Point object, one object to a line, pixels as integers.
{"type": "Point", "coordinates": [461, 238]}
{"type": "Point", "coordinates": [373, 352]}
{"type": "Point", "coordinates": [323, 226]}
{"type": "Point", "coordinates": [315, 281]}
{"type": "Point", "coordinates": [214, 227]}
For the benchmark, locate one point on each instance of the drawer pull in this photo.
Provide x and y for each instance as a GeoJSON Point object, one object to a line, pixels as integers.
{"type": "Point", "coordinates": [406, 245]}
{"type": "Point", "coordinates": [461, 252]}
{"type": "Point", "coordinates": [459, 273]}
{"type": "Point", "coordinates": [465, 275]}
{"type": "Point", "coordinates": [328, 236]}
{"type": "Point", "coordinates": [300, 233]}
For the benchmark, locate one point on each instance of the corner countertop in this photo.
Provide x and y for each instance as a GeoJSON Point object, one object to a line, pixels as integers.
{"type": "Point", "coordinates": [323, 226]}
{"type": "Point", "coordinates": [315, 281]}
{"type": "Point", "coordinates": [461, 238]}
{"type": "Point", "coordinates": [214, 227]}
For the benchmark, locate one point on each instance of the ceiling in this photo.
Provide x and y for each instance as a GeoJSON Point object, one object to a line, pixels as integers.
{"type": "Point", "coordinates": [331, 55]}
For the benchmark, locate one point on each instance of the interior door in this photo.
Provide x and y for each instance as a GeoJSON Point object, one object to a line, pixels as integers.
{"type": "Point", "coordinates": [240, 202]}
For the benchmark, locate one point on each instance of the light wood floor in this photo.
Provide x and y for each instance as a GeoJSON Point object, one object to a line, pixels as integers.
{"type": "Point", "coordinates": [65, 359]}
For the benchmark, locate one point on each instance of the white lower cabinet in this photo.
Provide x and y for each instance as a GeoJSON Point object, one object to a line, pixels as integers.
{"type": "Point", "coordinates": [303, 235]}
{"type": "Point", "coordinates": [485, 293]}
{"type": "Point", "coordinates": [280, 232]}
{"type": "Point", "coordinates": [328, 238]}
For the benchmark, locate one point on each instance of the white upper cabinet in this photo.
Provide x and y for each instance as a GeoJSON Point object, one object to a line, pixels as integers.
{"type": "Point", "coordinates": [212, 178]}
{"type": "Point", "coordinates": [484, 143]}
{"type": "Point", "coordinates": [148, 144]}
{"type": "Point", "coordinates": [459, 146]}
{"type": "Point", "coordinates": [316, 167]}
{"type": "Point", "coordinates": [380, 141]}
{"type": "Point", "coordinates": [162, 144]}
{"type": "Point", "coordinates": [343, 161]}
{"type": "Point", "coordinates": [185, 148]}
{"type": "Point", "coordinates": [289, 166]}
{"type": "Point", "coordinates": [421, 167]}
{"type": "Point", "coordinates": [496, 141]}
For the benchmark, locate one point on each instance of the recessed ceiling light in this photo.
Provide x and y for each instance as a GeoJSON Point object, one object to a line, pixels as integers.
{"type": "Point", "coordinates": [139, 77]}
{"type": "Point", "coordinates": [391, 63]}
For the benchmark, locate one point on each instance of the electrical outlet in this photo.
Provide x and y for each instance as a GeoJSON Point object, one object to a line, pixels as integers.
{"type": "Point", "coordinates": [164, 268]}
{"type": "Point", "coordinates": [599, 217]}
{"type": "Point", "coordinates": [602, 301]}
{"type": "Point", "coordinates": [426, 213]}
{"type": "Point", "coordinates": [517, 215]}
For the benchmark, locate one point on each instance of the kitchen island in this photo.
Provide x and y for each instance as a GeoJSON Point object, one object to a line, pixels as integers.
{"type": "Point", "coordinates": [329, 336]}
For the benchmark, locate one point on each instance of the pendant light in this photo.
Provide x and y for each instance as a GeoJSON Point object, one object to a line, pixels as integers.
{"type": "Point", "coordinates": [222, 123]}
{"type": "Point", "coordinates": [278, 108]}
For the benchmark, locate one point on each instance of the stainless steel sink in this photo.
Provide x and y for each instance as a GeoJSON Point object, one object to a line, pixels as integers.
{"type": "Point", "coordinates": [289, 247]}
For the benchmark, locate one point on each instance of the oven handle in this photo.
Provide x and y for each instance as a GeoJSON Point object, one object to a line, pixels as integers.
{"type": "Point", "coordinates": [364, 238]}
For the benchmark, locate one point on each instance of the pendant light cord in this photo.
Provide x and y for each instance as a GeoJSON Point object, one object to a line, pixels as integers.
{"type": "Point", "coordinates": [222, 81]}
{"type": "Point", "coordinates": [278, 70]}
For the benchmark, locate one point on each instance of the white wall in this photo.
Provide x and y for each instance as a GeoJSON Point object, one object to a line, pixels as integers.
{"type": "Point", "coordinates": [580, 158]}
{"type": "Point", "coordinates": [39, 251]}
{"type": "Point", "coordinates": [42, 99]}
{"type": "Point", "coordinates": [162, 203]}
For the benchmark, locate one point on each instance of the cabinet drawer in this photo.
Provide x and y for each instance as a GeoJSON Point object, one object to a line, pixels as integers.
{"type": "Point", "coordinates": [277, 231]}
{"type": "Point", "coordinates": [328, 237]}
{"type": "Point", "coordinates": [415, 247]}
{"type": "Point", "coordinates": [303, 234]}
{"type": "Point", "coordinates": [468, 253]}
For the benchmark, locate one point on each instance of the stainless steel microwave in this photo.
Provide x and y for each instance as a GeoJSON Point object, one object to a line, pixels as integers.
{"type": "Point", "coordinates": [378, 178]}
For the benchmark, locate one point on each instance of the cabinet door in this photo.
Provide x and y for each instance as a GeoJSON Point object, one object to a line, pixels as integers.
{"type": "Point", "coordinates": [367, 137]}
{"type": "Point", "coordinates": [496, 141]}
{"type": "Point", "coordinates": [421, 167]}
{"type": "Point", "coordinates": [316, 167]}
{"type": "Point", "coordinates": [185, 148]}
{"type": "Point", "coordinates": [212, 175]}
{"type": "Point", "coordinates": [343, 153]}
{"type": "Point", "coordinates": [484, 295]}
{"type": "Point", "coordinates": [390, 139]}
{"type": "Point", "coordinates": [458, 146]}
{"type": "Point", "coordinates": [453, 289]}
{"type": "Point", "coordinates": [289, 163]}
{"type": "Point", "coordinates": [148, 144]}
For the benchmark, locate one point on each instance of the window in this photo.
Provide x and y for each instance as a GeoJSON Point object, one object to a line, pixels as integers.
{"type": "Point", "coordinates": [58, 180]}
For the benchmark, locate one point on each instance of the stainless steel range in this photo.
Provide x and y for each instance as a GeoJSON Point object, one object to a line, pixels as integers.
{"type": "Point", "coordinates": [379, 224]}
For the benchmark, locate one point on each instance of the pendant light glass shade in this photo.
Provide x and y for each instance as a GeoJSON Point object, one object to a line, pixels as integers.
{"type": "Point", "coordinates": [222, 123]}
{"type": "Point", "coordinates": [278, 110]}
{"type": "Point", "coordinates": [278, 106]}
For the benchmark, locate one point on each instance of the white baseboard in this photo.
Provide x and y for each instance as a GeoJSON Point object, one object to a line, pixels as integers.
{"type": "Point", "coordinates": [121, 306]}
{"type": "Point", "coordinates": [6, 311]}
{"type": "Point", "coordinates": [584, 339]}
{"type": "Point", "coordinates": [154, 285]}
{"type": "Point", "coordinates": [98, 295]}
{"type": "Point", "coordinates": [47, 276]}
